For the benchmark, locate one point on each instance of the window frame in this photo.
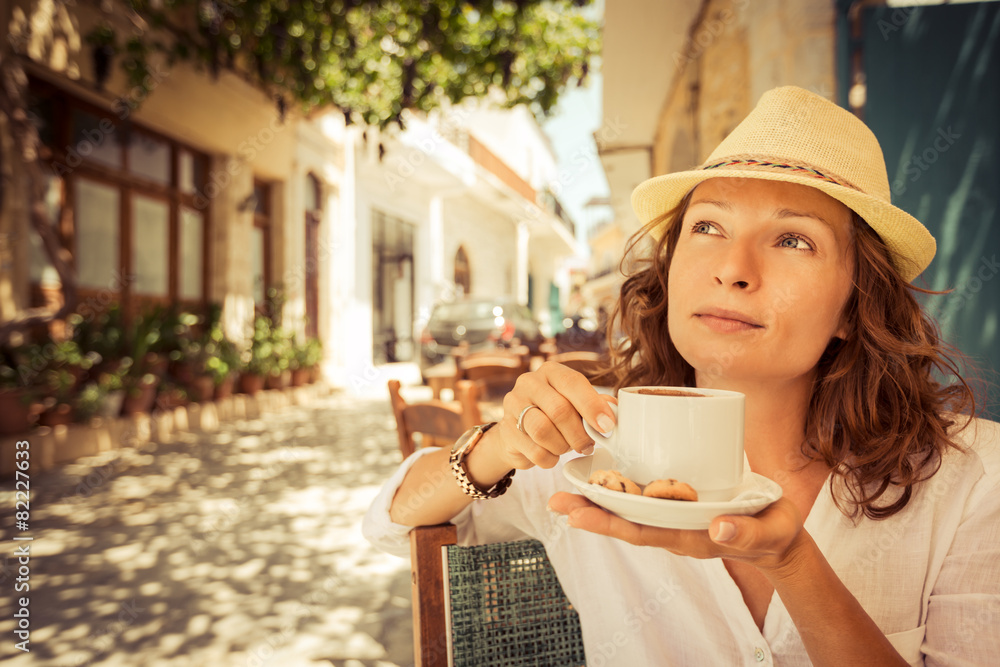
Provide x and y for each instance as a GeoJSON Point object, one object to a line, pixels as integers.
{"type": "Point", "coordinates": [263, 219]}
{"type": "Point", "coordinates": [56, 157]}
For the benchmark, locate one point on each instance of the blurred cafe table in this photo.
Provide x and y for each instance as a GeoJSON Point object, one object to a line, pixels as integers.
{"type": "Point", "coordinates": [441, 376]}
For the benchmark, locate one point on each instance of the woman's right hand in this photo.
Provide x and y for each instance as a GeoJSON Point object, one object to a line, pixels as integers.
{"type": "Point", "coordinates": [563, 396]}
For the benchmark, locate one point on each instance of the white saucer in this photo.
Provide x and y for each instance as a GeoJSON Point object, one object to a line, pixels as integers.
{"type": "Point", "coordinates": [754, 494]}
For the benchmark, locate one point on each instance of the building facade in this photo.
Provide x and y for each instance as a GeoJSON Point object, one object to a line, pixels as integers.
{"type": "Point", "coordinates": [193, 190]}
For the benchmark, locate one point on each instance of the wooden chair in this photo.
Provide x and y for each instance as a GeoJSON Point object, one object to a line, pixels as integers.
{"type": "Point", "coordinates": [439, 423]}
{"type": "Point", "coordinates": [492, 604]}
{"type": "Point", "coordinates": [588, 363]}
{"type": "Point", "coordinates": [495, 371]}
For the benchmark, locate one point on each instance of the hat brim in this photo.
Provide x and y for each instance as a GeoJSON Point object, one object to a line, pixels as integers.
{"type": "Point", "coordinates": [910, 245]}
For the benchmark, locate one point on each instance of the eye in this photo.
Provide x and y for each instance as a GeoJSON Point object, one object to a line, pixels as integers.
{"type": "Point", "coordinates": [703, 227]}
{"type": "Point", "coordinates": [794, 242]}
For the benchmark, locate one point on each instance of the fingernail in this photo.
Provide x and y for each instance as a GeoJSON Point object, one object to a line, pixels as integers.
{"type": "Point", "coordinates": [724, 532]}
{"type": "Point", "coordinates": [605, 423]}
{"type": "Point", "coordinates": [589, 449]}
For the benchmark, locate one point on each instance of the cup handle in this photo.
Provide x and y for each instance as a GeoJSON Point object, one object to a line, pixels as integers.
{"type": "Point", "coordinates": [599, 438]}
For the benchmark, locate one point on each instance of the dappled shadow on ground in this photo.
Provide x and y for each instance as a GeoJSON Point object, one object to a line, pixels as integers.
{"type": "Point", "coordinates": [241, 547]}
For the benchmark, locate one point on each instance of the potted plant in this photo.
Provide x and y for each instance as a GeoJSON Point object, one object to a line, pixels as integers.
{"type": "Point", "coordinates": [57, 405]}
{"type": "Point", "coordinates": [258, 359]}
{"type": "Point", "coordinates": [283, 353]}
{"type": "Point", "coordinates": [312, 357]}
{"type": "Point", "coordinates": [306, 359]}
{"type": "Point", "coordinates": [300, 372]}
{"type": "Point", "coordinates": [19, 408]}
{"type": "Point", "coordinates": [171, 395]}
{"type": "Point", "coordinates": [142, 367]}
{"type": "Point", "coordinates": [223, 365]}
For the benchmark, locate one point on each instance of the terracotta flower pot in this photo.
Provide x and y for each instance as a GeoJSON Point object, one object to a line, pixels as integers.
{"type": "Point", "coordinates": [140, 398]}
{"type": "Point", "coordinates": [171, 398]}
{"type": "Point", "coordinates": [200, 388]}
{"type": "Point", "coordinates": [279, 380]}
{"type": "Point", "coordinates": [251, 384]}
{"type": "Point", "coordinates": [225, 388]}
{"type": "Point", "coordinates": [184, 372]}
{"type": "Point", "coordinates": [17, 413]}
{"type": "Point", "coordinates": [60, 413]}
{"type": "Point", "coordinates": [300, 376]}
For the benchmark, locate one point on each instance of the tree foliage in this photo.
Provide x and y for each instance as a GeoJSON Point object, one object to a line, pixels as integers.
{"type": "Point", "coordinates": [371, 59]}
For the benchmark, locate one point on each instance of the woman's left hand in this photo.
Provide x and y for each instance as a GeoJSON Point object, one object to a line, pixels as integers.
{"type": "Point", "coordinates": [768, 540]}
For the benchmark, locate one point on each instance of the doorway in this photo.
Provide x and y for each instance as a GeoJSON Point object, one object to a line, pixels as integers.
{"type": "Point", "coordinates": [392, 293]}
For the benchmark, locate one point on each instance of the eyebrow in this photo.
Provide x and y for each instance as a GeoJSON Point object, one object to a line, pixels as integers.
{"type": "Point", "coordinates": [780, 213]}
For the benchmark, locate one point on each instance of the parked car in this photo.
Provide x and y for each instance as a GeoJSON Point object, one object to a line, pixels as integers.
{"type": "Point", "coordinates": [482, 323]}
{"type": "Point", "coordinates": [581, 332]}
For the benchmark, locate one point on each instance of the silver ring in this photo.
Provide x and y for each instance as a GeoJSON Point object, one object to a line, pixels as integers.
{"type": "Point", "coordinates": [520, 418]}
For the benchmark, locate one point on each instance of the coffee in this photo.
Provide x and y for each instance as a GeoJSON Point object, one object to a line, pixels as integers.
{"type": "Point", "coordinates": [652, 391]}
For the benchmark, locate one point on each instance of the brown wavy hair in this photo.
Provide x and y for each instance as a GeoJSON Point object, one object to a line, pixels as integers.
{"type": "Point", "coordinates": [877, 417]}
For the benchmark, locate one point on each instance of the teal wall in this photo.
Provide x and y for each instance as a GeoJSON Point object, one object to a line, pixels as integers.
{"type": "Point", "coordinates": [933, 101]}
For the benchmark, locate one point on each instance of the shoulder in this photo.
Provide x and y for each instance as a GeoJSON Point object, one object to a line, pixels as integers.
{"type": "Point", "coordinates": [979, 441]}
{"type": "Point", "coordinates": [975, 464]}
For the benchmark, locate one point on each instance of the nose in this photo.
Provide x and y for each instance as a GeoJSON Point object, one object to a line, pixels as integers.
{"type": "Point", "coordinates": [737, 266]}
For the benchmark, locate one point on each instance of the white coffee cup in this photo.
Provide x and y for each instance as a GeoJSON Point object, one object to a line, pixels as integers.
{"type": "Point", "coordinates": [688, 434]}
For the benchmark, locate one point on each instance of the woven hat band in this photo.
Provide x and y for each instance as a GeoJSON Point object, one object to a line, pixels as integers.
{"type": "Point", "coordinates": [763, 163]}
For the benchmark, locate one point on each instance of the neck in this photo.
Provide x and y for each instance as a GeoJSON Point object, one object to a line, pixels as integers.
{"type": "Point", "coordinates": [775, 422]}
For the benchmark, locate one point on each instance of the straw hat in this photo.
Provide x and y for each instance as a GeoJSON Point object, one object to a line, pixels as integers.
{"type": "Point", "coordinates": [797, 136]}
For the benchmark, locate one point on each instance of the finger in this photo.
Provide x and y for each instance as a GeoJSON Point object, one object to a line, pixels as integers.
{"type": "Point", "coordinates": [542, 457]}
{"type": "Point", "coordinates": [539, 440]}
{"type": "Point", "coordinates": [587, 516]}
{"type": "Point", "coordinates": [567, 397]}
{"type": "Point", "coordinates": [557, 421]}
{"type": "Point", "coordinates": [767, 533]}
{"type": "Point", "coordinates": [564, 503]}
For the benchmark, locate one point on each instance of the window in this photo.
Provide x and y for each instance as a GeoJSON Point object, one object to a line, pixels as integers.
{"type": "Point", "coordinates": [392, 289]}
{"type": "Point", "coordinates": [192, 233]}
{"type": "Point", "coordinates": [314, 214]}
{"type": "Point", "coordinates": [132, 214]}
{"type": "Point", "coordinates": [97, 233]}
{"type": "Point", "coordinates": [150, 235]}
{"type": "Point", "coordinates": [463, 275]}
{"type": "Point", "coordinates": [261, 242]}
{"type": "Point", "coordinates": [149, 157]}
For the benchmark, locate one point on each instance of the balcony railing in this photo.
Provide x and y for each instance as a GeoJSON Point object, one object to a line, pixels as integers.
{"type": "Point", "coordinates": [492, 163]}
{"type": "Point", "coordinates": [485, 158]}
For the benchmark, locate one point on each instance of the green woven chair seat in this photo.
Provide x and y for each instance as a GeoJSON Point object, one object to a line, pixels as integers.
{"type": "Point", "coordinates": [507, 608]}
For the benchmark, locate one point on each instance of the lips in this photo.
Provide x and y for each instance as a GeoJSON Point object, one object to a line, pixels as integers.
{"type": "Point", "coordinates": [723, 318]}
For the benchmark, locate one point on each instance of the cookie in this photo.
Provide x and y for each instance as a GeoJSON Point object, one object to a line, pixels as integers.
{"type": "Point", "coordinates": [670, 489]}
{"type": "Point", "coordinates": [614, 480]}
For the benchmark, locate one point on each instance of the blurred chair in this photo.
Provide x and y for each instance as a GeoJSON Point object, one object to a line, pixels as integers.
{"type": "Point", "coordinates": [494, 374]}
{"type": "Point", "coordinates": [588, 363]}
{"type": "Point", "coordinates": [439, 423]}
{"type": "Point", "coordinates": [470, 395]}
{"type": "Point", "coordinates": [491, 604]}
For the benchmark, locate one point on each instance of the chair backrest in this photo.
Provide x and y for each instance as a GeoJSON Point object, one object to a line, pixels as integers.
{"type": "Point", "coordinates": [491, 604]}
{"type": "Point", "coordinates": [496, 372]}
{"type": "Point", "coordinates": [588, 363]}
{"type": "Point", "coordinates": [439, 423]}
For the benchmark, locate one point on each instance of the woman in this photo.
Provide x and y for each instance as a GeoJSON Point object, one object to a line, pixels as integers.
{"type": "Point", "coordinates": [787, 271]}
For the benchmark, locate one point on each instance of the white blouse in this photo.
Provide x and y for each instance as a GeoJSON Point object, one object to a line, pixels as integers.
{"type": "Point", "coordinates": [929, 576]}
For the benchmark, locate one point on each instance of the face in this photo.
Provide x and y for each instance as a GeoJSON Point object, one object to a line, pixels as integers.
{"type": "Point", "coordinates": [759, 280]}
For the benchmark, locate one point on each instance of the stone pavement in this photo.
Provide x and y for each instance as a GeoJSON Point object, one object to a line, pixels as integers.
{"type": "Point", "coordinates": [236, 548]}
